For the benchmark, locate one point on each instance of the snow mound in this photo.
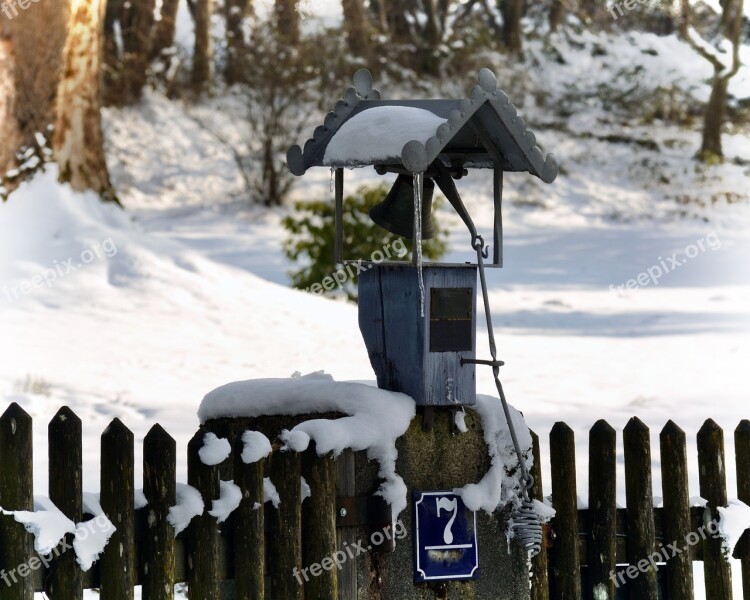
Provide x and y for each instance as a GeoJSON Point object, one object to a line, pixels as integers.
{"type": "Point", "coordinates": [733, 522]}
{"type": "Point", "coordinates": [501, 483]}
{"type": "Point", "coordinates": [189, 505]}
{"type": "Point", "coordinates": [229, 499]}
{"type": "Point", "coordinates": [256, 447]}
{"type": "Point", "coordinates": [270, 493]}
{"type": "Point", "coordinates": [376, 418]}
{"type": "Point", "coordinates": [49, 526]}
{"type": "Point", "coordinates": [215, 450]}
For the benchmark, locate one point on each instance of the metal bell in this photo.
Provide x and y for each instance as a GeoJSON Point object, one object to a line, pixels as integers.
{"type": "Point", "coordinates": [396, 212]}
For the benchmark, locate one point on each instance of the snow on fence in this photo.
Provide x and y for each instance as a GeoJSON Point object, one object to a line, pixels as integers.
{"type": "Point", "coordinates": [255, 548]}
{"type": "Point", "coordinates": [587, 549]}
{"type": "Point", "coordinates": [258, 549]}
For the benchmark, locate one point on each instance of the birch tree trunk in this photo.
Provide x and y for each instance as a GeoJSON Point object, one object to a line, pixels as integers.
{"type": "Point", "coordinates": [78, 142]}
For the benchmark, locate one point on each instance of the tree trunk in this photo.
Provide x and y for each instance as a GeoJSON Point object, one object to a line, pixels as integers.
{"type": "Point", "coordinates": [38, 38]}
{"type": "Point", "coordinates": [165, 27]}
{"type": "Point", "coordinates": [235, 12]}
{"type": "Point", "coordinates": [378, 15]}
{"type": "Point", "coordinates": [79, 143]}
{"type": "Point", "coordinates": [590, 9]}
{"type": "Point", "coordinates": [512, 11]}
{"type": "Point", "coordinates": [8, 126]}
{"type": "Point", "coordinates": [556, 14]}
{"type": "Point", "coordinates": [398, 23]}
{"type": "Point", "coordinates": [713, 120]}
{"type": "Point", "coordinates": [287, 20]}
{"type": "Point", "coordinates": [126, 67]}
{"type": "Point", "coordinates": [137, 28]}
{"type": "Point", "coordinates": [203, 52]}
{"type": "Point", "coordinates": [357, 26]}
{"type": "Point", "coordinates": [731, 25]}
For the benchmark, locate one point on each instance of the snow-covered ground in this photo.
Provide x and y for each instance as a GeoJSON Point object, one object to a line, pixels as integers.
{"type": "Point", "coordinates": [187, 290]}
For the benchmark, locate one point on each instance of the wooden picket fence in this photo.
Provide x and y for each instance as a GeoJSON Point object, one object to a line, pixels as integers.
{"type": "Point", "coordinates": [585, 547]}
{"type": "Point", "coordinates": [257, 549]}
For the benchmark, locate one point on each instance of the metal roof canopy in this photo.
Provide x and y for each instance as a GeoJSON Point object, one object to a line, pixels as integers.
{"type": "Point", "coordinates": [482, 131]}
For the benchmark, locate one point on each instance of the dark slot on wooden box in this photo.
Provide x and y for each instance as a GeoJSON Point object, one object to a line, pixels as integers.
{"type": "Point", "coordinates": [451, 325]}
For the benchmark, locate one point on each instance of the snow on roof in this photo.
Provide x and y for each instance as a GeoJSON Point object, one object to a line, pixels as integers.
{"type": "Point", "coordinates": [375, 418]}
{"type": "Point", "coordinates": [387, 130]}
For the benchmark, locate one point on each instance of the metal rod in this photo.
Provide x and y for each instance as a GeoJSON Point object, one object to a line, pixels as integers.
{"type": "Point", "coordinates": [497, 249]}
{"type": "Point", "coordinates": [338, 251]}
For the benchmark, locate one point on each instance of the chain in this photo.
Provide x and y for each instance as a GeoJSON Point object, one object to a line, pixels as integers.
{"type": "Point", "coordinates": [527, 481]}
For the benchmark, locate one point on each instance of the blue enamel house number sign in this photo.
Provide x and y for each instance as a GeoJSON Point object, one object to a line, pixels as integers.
{"type": "Point", "coordinates": [445, 538]}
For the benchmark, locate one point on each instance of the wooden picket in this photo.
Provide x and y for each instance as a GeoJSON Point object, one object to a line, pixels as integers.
{"type": "Point", "coordinates": [257, 549]}
{"type": "Point", "coordinates": [605, 536]}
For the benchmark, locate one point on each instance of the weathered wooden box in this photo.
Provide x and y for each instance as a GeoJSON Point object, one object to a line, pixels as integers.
{"type": "Point", "coordinates": [421, 356]}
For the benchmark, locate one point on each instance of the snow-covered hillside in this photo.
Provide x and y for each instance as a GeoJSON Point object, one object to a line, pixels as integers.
{"type": "Point", "coordinates": [186, 289]}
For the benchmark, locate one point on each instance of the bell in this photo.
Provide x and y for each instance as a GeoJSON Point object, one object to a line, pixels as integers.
{"type": "Point", "coordinates": [396, 212]}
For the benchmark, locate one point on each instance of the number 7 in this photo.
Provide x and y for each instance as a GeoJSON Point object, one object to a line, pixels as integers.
{"type": "Point", "coordinates": [447, 505]}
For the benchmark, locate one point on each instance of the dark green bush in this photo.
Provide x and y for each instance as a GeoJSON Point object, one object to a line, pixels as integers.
{"type": "Point", "coordinates": [311, 239]}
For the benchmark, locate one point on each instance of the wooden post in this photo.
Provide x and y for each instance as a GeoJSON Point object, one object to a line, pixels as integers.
{"type": "Point", "coordinates": [566, 556]}
{"type": "Point", "coordinates": [204, 578]}
{"type": "Point", "coordinates": [539, 576]}
{"type": "Point", "coordinates": [713, 487]}
{"type": "Point", "coordinates": [65, 480]}
{"type": "Point", "coordinates": [159, 477]}
{"type": "Point", "coordinates": [249, 537]}
{"type": "Point", "coordinates": [640, 501]}
{"type": "Point", "coordinates": [117, 564]}
{"type": "Point", "coordinates": [319, 523]}
{"type": "Point", "coordinates": [285, 553]}
{"type": "Point", "coordinates": [676, 513]}
{"type": "Point", "coordinates": [742, 457]}
{"type": "Point", "coordinates": [16, 493]}
{"type": "Point", "coordinates": [346, 486]}
{"type": "Point", "coordinates": [602, 548]}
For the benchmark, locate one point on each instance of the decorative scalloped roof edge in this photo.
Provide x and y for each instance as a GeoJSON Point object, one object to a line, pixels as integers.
{"type": "Point", "coordinates": [296, 158]}
{"type": "Point", "coordinates": [415, 156]}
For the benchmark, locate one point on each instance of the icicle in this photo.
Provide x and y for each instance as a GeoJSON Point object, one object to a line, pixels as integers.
{"type": "Point", "coordinates": [418, 182]}
{"type": "Point", "coordinates": [330, 185]}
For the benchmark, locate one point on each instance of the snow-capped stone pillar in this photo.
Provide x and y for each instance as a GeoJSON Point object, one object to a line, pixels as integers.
{"type": "Point", "coordinates": [441, 460]}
